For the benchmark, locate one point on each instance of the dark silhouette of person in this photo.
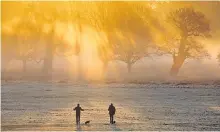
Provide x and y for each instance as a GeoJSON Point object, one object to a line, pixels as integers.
{"type": "Point", "coordinates": [111, 110]}
{"type": "Point", "coordinates": [78, 110]}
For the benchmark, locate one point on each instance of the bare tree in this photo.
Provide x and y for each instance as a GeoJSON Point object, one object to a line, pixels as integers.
{"type": "Point", "coordinates": [8, 48]}
{"type": "Point", "coordinates": [102, 18]}
{"type": "Point", "coordinates": [127, 18]}
{"type": "Point", "coordinates": [135, 38]}
{"type": "Point", "coordinates": [191, 25]}
{"type": "Point", "coordinates": [78, 15]}
{"type": "Point", "coordinates": [25, 32]}
{"type": "Point", "coordinates": [218, 57]}
{"type": "Point", "coordinates": [51, 16]}
{"type": "Point", "coordinates": [131, 49]}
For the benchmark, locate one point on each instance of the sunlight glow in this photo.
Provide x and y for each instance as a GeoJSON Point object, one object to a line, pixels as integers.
{"type": "Point", "coordinates": [66, 25]}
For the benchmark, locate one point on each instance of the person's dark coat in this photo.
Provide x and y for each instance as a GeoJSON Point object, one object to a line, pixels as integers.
{"type": "Point", "coordinates": [78, 110]}
{"type": "Point", "coordinates": [111, 110]}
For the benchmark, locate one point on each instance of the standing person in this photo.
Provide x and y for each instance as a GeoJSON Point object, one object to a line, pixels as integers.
{"type": "Point", "coordinates": [78, 109]}
{"type": "Point", "coordinates": [111, 110]}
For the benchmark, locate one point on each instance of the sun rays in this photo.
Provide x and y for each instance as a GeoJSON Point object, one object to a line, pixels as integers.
{"type": "Point", "coordinates": [89, 36]}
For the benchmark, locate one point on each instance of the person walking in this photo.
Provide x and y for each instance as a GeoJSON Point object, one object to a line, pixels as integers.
{"type": "Point", "coordinates": [111, 110]}
{"type": "Point", "coordinates": [78, 110]}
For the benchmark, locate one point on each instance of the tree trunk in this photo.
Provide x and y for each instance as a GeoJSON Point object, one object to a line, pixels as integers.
{"type": "Point", "coordinates": [24, 65]}
{"type": "Point", "coordinates": [5, 63]}
{"type": "Point", "coordinates": [104, 68]}
{"type": "Point", "coordinates": [48, 61]}
{"type": "Point", "coordinates": [79, 51]}
{"type": "Point", "coordinates": [177, 64]}
{"type": "Point", "coordinates": [80, 76]}
{"type": "Point", "coordinates": [179, 59]}
{"type": "Point", "coordinates": [129, 65]}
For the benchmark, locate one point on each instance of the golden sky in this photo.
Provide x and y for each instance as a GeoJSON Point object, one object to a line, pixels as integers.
{"type": "Point", "coordinates": [10, 9]}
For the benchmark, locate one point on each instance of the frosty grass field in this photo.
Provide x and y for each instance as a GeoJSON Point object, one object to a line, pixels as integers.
{"type": "Point", "coordinates": [48, 106]}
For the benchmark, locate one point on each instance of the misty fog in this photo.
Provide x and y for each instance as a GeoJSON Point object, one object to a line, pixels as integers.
{"type": "Point", "coordinates": [152, 67]}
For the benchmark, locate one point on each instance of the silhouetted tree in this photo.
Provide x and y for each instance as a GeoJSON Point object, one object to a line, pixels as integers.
{"type": "Point", "coordinates": [218, 57]}
{"type": "Point", "coordinates": [25, 33]}
{"type": "Point", "coordinates": [50, 17]}
{"type": "Point", "coordinates": [8, 52]}
{"type": "Point", "coordinates": [49, 37]}
{"type": "Point", "coordinates": [190, 24]}
{"type": "Point", "coordinates": [131, 49]}
{"type": "Point", "coordinates": [134, 34]}
{"type": "Point", "coordinates": [102, 18]}
{"type": "Point", "coordinates": [78, 14]}
{"type": "Point", "coordinates": [133, 21]}
{"type": "Point", "coordinates": [19, 43]}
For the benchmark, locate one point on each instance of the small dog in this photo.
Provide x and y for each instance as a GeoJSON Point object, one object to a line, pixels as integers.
{"type": "Point", "coordinates": [87, 122]}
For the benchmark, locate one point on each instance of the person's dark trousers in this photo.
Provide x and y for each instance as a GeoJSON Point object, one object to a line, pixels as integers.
{"type": "Point", "coordinates": [77, 119]}
{"type": "Point", "coordinates": [111, 118]}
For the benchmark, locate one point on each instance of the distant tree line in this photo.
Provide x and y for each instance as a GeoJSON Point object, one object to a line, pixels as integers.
{"type": "Point", "coordinates": [131, 30]}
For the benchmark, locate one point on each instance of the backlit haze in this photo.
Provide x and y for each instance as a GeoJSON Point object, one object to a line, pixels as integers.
{"type": "Point", "coordinates": [66, 62]}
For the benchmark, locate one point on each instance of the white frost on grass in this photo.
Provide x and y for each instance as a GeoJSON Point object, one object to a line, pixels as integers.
{"type": "Point", "coordinates": [48, 106]}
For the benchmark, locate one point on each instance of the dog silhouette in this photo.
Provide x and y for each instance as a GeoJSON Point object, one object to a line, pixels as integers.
{"type": "Point", "coordinates": [87, 122]}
